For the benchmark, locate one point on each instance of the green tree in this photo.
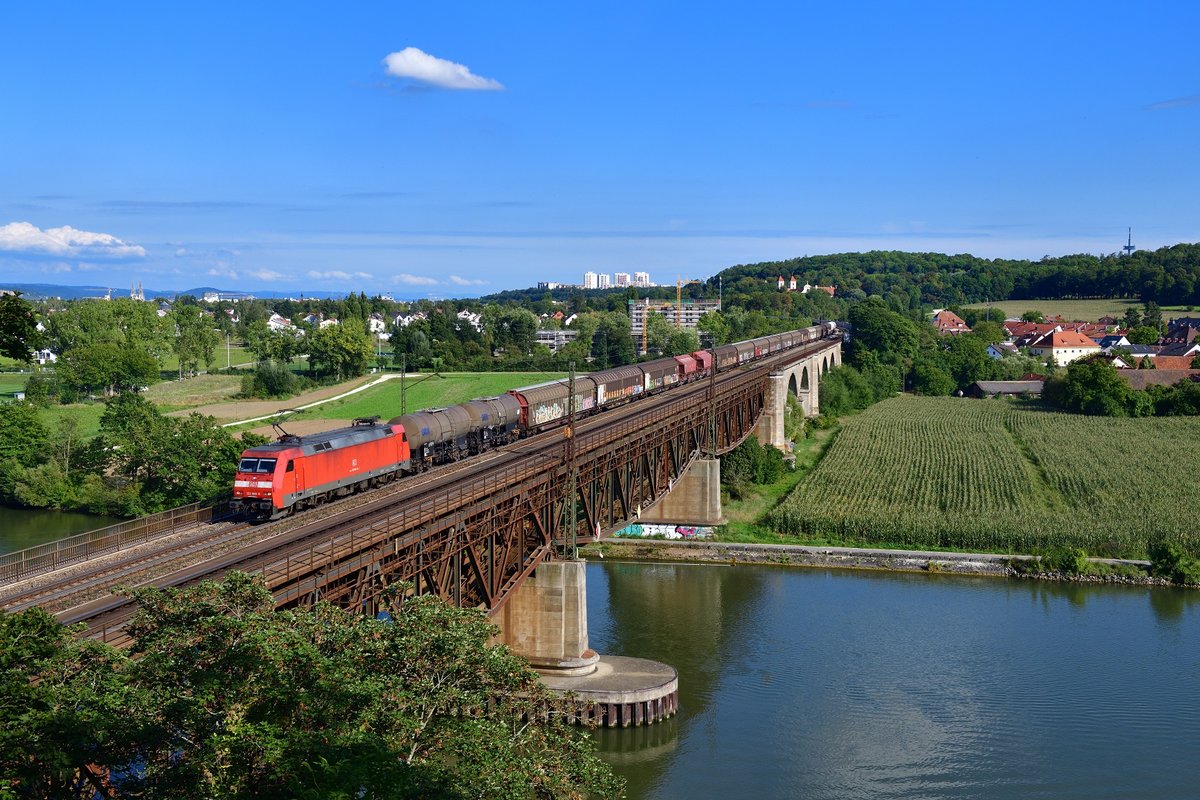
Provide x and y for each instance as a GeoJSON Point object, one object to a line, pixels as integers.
{"type": "Point", "coordinates": [1033, 316]}
{"type": "Point", "coordinates": [221, 696]}
{"type": "Point", "coordinates": [18, 329]}
{"type": "Point", "coordinates": [713, 323]}
{"type": "Point", "coordinates": [682, 341]}
{"type": "Point", "coordinates": [658, 333]}
{"type": "Point", "coordinates": [1143, 334]}
{"type": "Point", "coordinates": [195, 340]}
{"type": "Point", "coordinates": [1090, 386]}
{"type": "Point", "coordinates": [24, 442]}
{"type": "Point", "coordinates": [341, 351]}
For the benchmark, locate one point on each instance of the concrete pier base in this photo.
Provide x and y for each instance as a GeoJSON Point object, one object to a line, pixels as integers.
{"type": "Point", "coordinates": [545, 621]}
{"type": "Point", "coordinates": [621, 692]}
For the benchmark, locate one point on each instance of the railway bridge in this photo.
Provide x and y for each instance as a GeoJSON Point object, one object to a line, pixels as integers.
{"type": "Point", "coordinates": [474, 533]}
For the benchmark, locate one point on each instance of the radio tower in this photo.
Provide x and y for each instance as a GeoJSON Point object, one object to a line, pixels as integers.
{"type": "Point", "coordinates": [1129, 248]}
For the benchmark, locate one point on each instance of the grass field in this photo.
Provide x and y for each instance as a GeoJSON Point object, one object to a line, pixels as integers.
{"type": "Point", "coordinates": [426, 391]}
{"type": "Point", "coordinates": [1000, 476]}
{"type": "Point", "coordinates": [197, 391]}
{"type": "Point", "coordinates": [12, 382]}
{"type": "Point", "coordinates": [1074, 310]}
{"type": "Point", "coordinates": [86, 415]}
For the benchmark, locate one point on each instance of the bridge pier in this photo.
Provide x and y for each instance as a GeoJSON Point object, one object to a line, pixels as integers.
{"type": "Point", "coordinates": [545, 621]}
{"type": "Point", "coordinates": [695, 499]}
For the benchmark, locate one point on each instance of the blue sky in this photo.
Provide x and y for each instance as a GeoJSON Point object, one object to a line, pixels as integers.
{"type": "Point", "coordinates": [458, 150]}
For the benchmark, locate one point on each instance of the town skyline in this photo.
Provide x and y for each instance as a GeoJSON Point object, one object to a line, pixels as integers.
{"type": "Point", "coordinates": [401, 150]}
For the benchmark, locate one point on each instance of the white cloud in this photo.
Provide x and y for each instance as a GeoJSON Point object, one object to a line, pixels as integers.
{"type": "Point", "coordinates": [420, 66]}
{"type": "Point", "coordinates": [457, 281]}
{"type": "Point", "coordinates": [220, 272]}
{"type": "Point", "coordinates": [266, 274]}
{"type": "Point", "coordinates": [414, 280]}
{"type": "Point", "coordinates": [26, 238]}
{"type": "Point", "coordinates": [337, 274]}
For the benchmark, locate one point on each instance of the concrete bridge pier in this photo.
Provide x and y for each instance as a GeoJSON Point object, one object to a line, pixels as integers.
{"type": "Point", "coordinates": [695, 499]}
{"type": "Point", "coordinates": [545, 621]}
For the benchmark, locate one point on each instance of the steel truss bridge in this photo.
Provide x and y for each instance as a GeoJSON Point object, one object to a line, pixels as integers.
{"type": "Point", "coordinates": [471, 532]}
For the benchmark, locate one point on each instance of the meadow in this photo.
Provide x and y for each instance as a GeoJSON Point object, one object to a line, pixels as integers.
{"type": "Point", "coordinates": [1001, 476]}
{"type": "Point", "coordinates": [1073, 310]}
{"type": "Point", "coordinates": [426, 391]}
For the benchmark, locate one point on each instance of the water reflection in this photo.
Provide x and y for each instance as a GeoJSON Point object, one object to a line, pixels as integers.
{"type": "Point", "coordinates": [842, 684]}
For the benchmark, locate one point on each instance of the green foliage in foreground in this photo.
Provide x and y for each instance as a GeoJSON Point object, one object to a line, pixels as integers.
{"type": "Point", "coordinates": [223, 697]}
{"type": "Point", "coordinates": [993, 475]}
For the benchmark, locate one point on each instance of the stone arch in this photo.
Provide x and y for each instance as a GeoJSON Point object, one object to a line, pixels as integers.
{"type": "Point", "coordinates": [792, 386]}
{"type": "Point", "coordinates": [824, 364]}
{"type": "Point", "coordinates": [804, 381]}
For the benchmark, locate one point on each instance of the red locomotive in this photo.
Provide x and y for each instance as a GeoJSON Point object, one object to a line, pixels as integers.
{"type": "Point", "coordinates": [298, 472]}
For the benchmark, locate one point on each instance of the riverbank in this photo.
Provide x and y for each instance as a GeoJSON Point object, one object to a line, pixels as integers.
{"type": "Point", "coordinates": [1120, 571]}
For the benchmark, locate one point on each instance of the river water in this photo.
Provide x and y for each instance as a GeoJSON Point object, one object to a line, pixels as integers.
{"type": "Point", "coordinates": [26, 527]}
{"type": "Point", "coordinates": [803, 683]}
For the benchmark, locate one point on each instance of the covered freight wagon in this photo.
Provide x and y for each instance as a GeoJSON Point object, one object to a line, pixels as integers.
{"type": "Point", "coordinates": [546, 403]}
{"type": "Point", "coordinates": [617, 385]}
{"type": "Point", "coordinates": [659, 373]}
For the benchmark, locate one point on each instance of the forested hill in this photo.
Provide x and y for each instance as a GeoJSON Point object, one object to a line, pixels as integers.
{"type": "Point", "coordinates": [1168, 276]}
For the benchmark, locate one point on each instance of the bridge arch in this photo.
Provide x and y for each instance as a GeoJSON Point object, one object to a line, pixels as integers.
{"type": "Point", "coordinates": [792, 385]}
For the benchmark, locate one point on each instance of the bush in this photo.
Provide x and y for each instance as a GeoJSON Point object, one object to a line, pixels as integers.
{"type": "Point", "coordinates": [1168, 560]}
{"type": "Point", "coordinates": [270, 379]}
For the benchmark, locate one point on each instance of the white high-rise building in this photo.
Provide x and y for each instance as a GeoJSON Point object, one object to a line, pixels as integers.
{"type": "Point", "coordinates": [621, 279]}
{"type": "Point", "coordinates": [591, 280]}
{"type": "Point", "coordinates": [605, 281]}
{"type": "Point", "coordinates": [641, 279]}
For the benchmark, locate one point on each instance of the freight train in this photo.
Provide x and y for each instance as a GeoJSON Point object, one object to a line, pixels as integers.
{"type": "Point", "coordinates": [299, 472]}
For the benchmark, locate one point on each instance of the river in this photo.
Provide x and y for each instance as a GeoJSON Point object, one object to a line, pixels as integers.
{"type": "Point", "coordinates": [26, 527]}
{"type": "Point", "coordinates": [804, 683]}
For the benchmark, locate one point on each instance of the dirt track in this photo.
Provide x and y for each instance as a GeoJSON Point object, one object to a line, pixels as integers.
{"type": "Point", "coordinates": [249, 409]}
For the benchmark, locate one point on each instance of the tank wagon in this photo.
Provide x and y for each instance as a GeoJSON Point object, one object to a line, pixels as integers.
{"type": "Point", "coordinates": [300, 471]}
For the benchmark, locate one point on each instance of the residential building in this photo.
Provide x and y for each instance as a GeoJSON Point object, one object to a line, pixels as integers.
{"type": "Point", "coordinates": [688, 313]}
{"type": "Point", "coordinates": [591, 280]}
{"type": "Point", "coordinates": [278, 323]}
{"type": "Point", "coordinates": [1063, 347]}
{"type": "Point", "coordinates": [949, 324]}
{"type": "Point", "coordinates": [1002, 350]}
{"type": "Point", "coordinates": [642, 279]}
{"type": "Point", "coordinates": [603, 281]}
{"type": "Point", "coordinates": [556, 339]}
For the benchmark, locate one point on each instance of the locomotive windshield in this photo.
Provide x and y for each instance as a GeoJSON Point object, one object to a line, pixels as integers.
{"type": "Point", "coordinates": [263, 466]}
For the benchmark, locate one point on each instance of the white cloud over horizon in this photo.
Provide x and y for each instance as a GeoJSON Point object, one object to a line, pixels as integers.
{"type": "Point", "coordinates": [409, 279]}
{"type": "Point", "coordinates": [460, 281]}
{"type": "Point", "coordinates": [24, 238]}
{"type": "Point", "coordinates": [418, 65]}
{"type": "Point", "coordinates": [337, 274]}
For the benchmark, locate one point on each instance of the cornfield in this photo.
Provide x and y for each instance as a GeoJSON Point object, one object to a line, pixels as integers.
{"type": "Point", "coordinates": [981, 475]}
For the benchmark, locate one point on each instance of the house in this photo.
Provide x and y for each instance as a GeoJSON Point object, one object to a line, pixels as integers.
{"type": "Point", "coordinates": [1063, 347]}
{"type": "Point", "coordinates": [44, 356]}
{"type": "Point", "coordinates": [1002, 349]}
{"type": "Point", "coordinates": [1180, 349]}
{"type": "Point", "coordinates": [1180, 334]}
{"type": "Point", "coordinates": [949, 324]}
{"type": "Point", "coordinates": [325, 323]}
{"type": "Point", "coordinates": [404, 320]}
{"type": "Point", "coordinates": [1141, 378]}
{"type": "Point", "coordinates": [471, 318]}
{"type": "Point", "coordinates": [278, 323]}
{"type": "Point", "coordinates": [981, 389]}
{"type": "Point", "coordinates": [556, 338]}
{"type": "Point", "coordinates": [1112, 340]}
{"type": "Point", "coordinates": [377, 325]}
{"type": "Point", "coordinates": [1108, 321]}
{"type": "Point", "coordinates": [1173, 362]}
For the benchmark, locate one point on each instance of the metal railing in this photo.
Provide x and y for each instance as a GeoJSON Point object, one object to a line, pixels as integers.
{"type": "Point", "coordinates": [74, 549]}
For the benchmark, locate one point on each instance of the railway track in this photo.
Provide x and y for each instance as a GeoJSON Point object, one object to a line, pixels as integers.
{"type": "Point", "coordinates": [85, 595]}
